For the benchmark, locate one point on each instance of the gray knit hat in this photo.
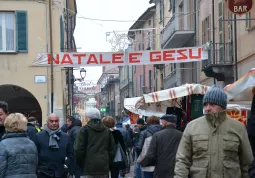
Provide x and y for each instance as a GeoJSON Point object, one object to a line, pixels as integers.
{"type": "Point", "coordinates": [216, 95]}
{"type": "Point", "coordinates": [93, 113]}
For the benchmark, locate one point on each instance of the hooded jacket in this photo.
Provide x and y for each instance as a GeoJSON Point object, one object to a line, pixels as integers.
{"type": "Point", "coordinates": [150, 130]}
{"type": "Point", "coordinates": [73, 130]}
{"type": "Point", "coordinates": [98, 154]}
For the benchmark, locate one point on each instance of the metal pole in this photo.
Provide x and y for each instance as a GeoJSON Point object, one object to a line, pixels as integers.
{"type": "Point", "coordinates": [213, 40]}
{"type": "Point", "coordinates": [195, 64]}
{"type": "Point", "coordinates": [235, 36]}
{"type": "Point", "coordinates": [51, 54]}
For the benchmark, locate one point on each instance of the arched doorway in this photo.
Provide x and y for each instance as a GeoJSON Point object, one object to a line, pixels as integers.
{"type": "Point", "coordinates": [20, 100]}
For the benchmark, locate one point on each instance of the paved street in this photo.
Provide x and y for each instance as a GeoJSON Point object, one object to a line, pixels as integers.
{"type": "Point", "coordinates": [131, 174]}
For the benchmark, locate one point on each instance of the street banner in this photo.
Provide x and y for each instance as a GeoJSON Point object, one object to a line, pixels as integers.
{"type": "Point", "coordinates": [239, 7]}
{"type": "Point", "coordinates": [70, 59]}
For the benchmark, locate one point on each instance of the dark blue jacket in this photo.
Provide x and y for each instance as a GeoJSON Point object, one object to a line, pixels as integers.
{"type": "Point", "coordinates": [18, 156]}
{"type": "Point", "coordinates": [31, 132]}
{"type": "Point", "coordinates": [51, 161]}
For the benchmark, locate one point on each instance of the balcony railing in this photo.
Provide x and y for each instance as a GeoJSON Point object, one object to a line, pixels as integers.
{"type": "Point", "coordinates": [179, 77]}
{"type": "Point", "coordinates": [223, 55]}
{"type": "Point", "coordinates": [177, 23]}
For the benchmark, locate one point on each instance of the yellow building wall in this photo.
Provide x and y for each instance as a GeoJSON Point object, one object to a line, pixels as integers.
{"type": "Point", "coordinates": [15, 67]}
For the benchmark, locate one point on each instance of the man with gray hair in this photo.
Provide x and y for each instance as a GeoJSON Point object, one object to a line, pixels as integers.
{"type": "Point", "coordinates": [53, 147]}
{"type": "Point", "coordinates": [94, 146]}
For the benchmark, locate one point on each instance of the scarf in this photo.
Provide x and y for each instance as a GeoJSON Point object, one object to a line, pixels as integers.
{"type": "Point", "coordinates": [54, 138]}
{"type": "Point", "coordinates": [216, 118]}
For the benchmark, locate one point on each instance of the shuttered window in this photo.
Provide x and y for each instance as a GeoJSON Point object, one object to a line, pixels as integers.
{"type": "Point", "coordinates": [7, 32]}
{"type": "Point", "coordinates": [21, 31]}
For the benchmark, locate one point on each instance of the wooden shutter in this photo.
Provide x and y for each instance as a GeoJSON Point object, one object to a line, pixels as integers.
{"type": "Point", "coordinates": [21, 31]}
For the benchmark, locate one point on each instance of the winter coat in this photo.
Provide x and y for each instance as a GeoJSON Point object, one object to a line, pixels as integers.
{"type": "Point", "coordinates": [31, 131]}
{"type": "Point", "coordinates": [125, 134]}
{"type": "Point", "coordinates": [118, 138]}
{"type": "Point", "coordinates": [251, 126]}
{"type": "Point", "coordinates": [73, 130]}
{"type": "Point", "coordinates": [52, 160]}
{"type": "Point", "coordinates": [162, 152]}
{"type": "Point", "coordinates": [149, 131]}
{"type": "Point", "coordinates": [99, 151]}
{"type": "Point", "coordinates": [214, 148]}
{"type": "Point", "coordinates": [2, 131]}
{"type": "Point", "coordinates": [18, 156]}
{"type": "Point", "coordinates": [252, 169]}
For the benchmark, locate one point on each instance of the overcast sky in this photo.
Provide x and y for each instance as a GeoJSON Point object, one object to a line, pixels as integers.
{"type": "Point", "coordinates": [90, 35]}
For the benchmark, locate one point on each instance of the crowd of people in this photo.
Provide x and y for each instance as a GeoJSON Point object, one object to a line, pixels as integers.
{"type": "Point", "coordinates": [213, 146]}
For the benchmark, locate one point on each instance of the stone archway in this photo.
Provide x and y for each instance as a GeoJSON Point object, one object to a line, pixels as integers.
{"type": "Point", "coordinates": [20, 100]}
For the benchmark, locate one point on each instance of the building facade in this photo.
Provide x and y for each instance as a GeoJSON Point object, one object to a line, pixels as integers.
{"type": "Point", "coordinates": [126, 81]}
{"type": "Point", "coordinates": [142, 34]}
{"type": "Point", "coordinates": [221, 63]}
{"type": "Point", "coordinates": [109, 97]}
{"type": "Point", "coordinates": [27, 89]}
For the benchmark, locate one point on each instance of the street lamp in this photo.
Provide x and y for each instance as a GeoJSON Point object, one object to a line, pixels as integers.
{"type": "Point", "coordinates": [83, 73]}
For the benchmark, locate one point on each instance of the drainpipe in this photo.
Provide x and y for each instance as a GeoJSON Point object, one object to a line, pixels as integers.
{"type": "Point", "coordinates": [195, 64]}
{"type": "Point", "coordinates": [47, 51]}
{"type": "Point", "coordinates": [213, 41]}
{"type": "Point", "coordinates": [51, 53]}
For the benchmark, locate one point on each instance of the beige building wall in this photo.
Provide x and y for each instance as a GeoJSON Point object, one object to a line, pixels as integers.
{"type": "Point", "coordinates": [15, 67]}
{"type": "Point", "coordinates": [245, 36]}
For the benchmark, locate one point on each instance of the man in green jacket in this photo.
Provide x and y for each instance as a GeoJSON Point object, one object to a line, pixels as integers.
{"type": "Point", "coordinates": [214, 146]}
{"type": "Point", "coordinates": [94, 147]}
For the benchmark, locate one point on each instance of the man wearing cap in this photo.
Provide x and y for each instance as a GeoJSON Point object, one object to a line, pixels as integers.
{"type": "Point", "coordinates": [163, 148]}
{"type": "Point", "coordinates": [94, 146]}
{"type": "Point", "coordinates": [214, 146]}
{"type": "Point", "coordinates": [31, 129]}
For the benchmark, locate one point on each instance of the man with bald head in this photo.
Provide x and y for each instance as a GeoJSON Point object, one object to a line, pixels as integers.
{"type": "Point", "coordinates": [53, 147]}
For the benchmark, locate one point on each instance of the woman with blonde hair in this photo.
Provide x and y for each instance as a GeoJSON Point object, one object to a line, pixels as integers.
{"type": "Point", "coordinates": [18, 154]}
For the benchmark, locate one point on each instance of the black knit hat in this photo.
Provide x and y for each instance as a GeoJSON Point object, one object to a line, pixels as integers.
{"type": "Point", "coordinates": [169, 118]}
{"type": "Point", "coordinates": [216, 95]}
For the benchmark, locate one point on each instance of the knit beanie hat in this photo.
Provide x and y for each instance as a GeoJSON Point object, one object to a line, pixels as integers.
{"type": "Point", "coordinates": [216, 95]}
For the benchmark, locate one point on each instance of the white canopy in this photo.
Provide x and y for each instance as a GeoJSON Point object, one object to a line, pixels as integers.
{"type": "Point", "coordinates": [243, 89]}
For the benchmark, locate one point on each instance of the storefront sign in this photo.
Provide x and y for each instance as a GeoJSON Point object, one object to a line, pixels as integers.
{"type": "Point", "coordinates": [239, 7]}
{"type": "Point", "coordinates": [180, 55]}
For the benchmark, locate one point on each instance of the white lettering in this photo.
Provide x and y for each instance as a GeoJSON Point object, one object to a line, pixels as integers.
{"type": "Point", "coordinates": [240, 9]}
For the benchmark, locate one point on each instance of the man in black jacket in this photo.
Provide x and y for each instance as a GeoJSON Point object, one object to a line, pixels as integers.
{"type": "Point", "coordinates": [53, 147]}
{"type": "Point", "coordinates": [31, 129]}
{"type": "Point", "coordinates": [251, 134]}
{"type": "Point", "coordinates": [73, 127]}
{"type": "Point", "coordinates": [3, 115]}
{"type": "Point", "coordinates": [163, 148]}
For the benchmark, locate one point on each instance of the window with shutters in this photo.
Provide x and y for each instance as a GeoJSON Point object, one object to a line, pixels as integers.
{"type": "Point", "coordinates": [13, 31]}
{"type": "Point", "coordinates": [7, 32]}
